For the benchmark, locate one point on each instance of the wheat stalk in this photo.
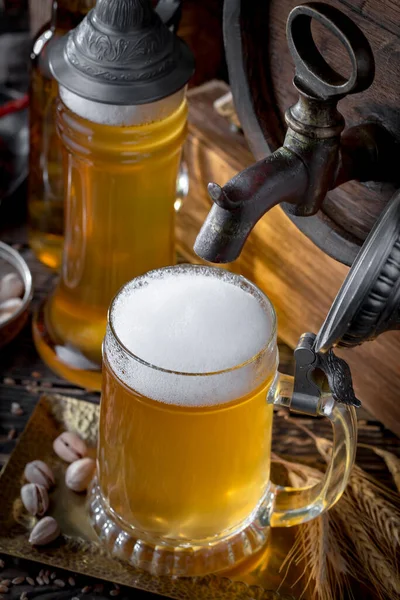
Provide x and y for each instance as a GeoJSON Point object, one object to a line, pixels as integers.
{"type": "Point", "coordinates": [392, 463]}
{"type": "Point", "coordinates": [391, 460]}
{"type": "Point", "coordinates": [379, 505]}
{"type": "Point", "coordinates": [315, 544]}
{"type": "Point", "coordinates": [313, 538]}
{"type": "Point", "coordinates": [321, 552]}
{"type": "Point", "coordinates": [365, 515]}
{"type": "Point", "coordinates": [379, 569]}
{"type": "Point", "coordinates": [324, 447]}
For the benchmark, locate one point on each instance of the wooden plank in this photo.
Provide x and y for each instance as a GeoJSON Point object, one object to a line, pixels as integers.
{"type": "Point", "coordinates": [384, 14]}
{"type": "Point", "coordinates": [299, 278]}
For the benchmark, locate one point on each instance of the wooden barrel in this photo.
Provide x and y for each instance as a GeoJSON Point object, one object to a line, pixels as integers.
{"type": "Point", "coordinates": [261, 73]}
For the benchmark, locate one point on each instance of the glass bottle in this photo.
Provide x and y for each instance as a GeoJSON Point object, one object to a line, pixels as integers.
{"type": "Point", "coordinates": [122, 129]}
{"type": "Point", "coordinates": [46, 197]}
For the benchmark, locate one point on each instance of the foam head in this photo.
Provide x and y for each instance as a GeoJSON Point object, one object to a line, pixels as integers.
{"type": "Point", "coordinates": [111, 114]}
{"type": "Point", "coordinates": [191, 321]}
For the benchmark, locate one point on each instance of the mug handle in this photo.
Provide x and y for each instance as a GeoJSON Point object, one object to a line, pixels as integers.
{"type": "Point", "coordinates": [301, 393]}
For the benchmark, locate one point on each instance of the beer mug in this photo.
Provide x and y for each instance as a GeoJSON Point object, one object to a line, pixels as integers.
{"type": "Point", "coordinates": [120, 183]}
{"type": "Point", "coordinates": [190, 383]}
{"type": "Point", "coordinates": [121, 117]}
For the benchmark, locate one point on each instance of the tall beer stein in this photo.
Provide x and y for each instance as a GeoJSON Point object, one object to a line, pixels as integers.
{"type": "Point", "coordinates": [121, 118]}
{"type": "Point", "coordinates": [189, 387]}
{"type": "Point", "coordinates": [46, 186]}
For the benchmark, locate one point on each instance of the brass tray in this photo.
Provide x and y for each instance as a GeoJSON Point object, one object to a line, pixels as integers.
{"type": "Point", "coordinates": [78, 550]}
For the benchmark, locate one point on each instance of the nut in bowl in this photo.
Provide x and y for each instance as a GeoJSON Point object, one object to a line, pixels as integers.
{"type": "Point", "coordinates": [17, 291]}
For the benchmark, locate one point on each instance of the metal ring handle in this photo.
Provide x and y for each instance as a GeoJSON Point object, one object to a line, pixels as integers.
{"type": "Point", "coordinates": [313, 73]}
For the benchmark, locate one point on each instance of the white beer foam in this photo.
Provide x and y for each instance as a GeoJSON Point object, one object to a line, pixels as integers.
{"type": "Point", "coordinates": [185, 319]}
{"type": "Point", "coordinates": [112, 114]}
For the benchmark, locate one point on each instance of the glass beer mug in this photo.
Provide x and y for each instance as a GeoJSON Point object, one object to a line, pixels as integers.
{"type": "Point", "coordinates": [189, 386]}
{"type": "Point", "coordinates": [121, 118]}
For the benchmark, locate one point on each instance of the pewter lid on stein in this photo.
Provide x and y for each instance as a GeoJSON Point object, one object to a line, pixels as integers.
{"type": "Point", "coordinates": [122, 53]}
{"type": "Point", "coordinates": [368, 302]}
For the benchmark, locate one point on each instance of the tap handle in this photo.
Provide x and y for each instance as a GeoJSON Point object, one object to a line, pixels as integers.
{"type": "Point", "coordinates": [314, 76]}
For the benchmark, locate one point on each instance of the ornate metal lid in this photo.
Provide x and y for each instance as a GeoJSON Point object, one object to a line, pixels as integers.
{"type": "Point", "coordinates": [368, 302]}
{"type": "Point", "coordinates": [122, 53]}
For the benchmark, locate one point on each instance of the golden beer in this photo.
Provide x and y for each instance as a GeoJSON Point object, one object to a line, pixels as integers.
{"type": "Point", "coordinates": [120, 189]}
{"type": "Point", "coordinates": [190, 379]}
{"type": "Point", "coordinates": [180, 472]}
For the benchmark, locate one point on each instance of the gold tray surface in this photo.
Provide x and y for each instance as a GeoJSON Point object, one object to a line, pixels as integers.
{"type": "Point", "coordinates": [78, 550]}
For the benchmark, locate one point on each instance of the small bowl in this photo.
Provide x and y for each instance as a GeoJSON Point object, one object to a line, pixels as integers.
{"type": "Point", "coordinates": [11, 328]}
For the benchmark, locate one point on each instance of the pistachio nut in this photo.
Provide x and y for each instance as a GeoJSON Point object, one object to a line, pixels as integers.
{"type": "Point", "coordinates": [8, 308]}
{"type": "Point", "coordinates": [69, 446]}
{"type": "Point", "coordinates": [38, 472]}
{"type": "Point", "coordinates": [45, 531]}
{"type": "Point", "coordinates": [35, 499]}
{"type": "Point", "coordinates": [11, 286]}
{"type": "Point", "coordinates": [79, 474]}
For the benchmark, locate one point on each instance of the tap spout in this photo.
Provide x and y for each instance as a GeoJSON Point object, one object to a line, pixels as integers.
{"type": "Point", "coordinates": [240, 204]}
